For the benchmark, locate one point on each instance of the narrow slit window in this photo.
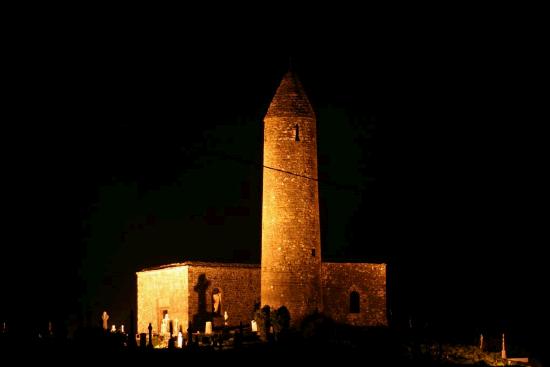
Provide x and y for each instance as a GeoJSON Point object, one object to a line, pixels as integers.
{"type": "Point", "coordinates": [313, 252]}
{"type": "Point", "coordinates": [354, 304]}
{"type": "Point", "coordinates": [297, 133]}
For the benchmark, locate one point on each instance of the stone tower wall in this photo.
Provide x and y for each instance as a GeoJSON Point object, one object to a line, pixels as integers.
{"type": "Point", "coordinates": [291, 243]}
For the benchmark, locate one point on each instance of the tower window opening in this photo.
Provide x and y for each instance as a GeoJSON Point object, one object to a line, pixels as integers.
{"type": "Point", "coordinates": [313, 252]}
{"type": "Point", "coordinates": [297, 132]}
{"type": "Point", "coordinates": [354, 305]}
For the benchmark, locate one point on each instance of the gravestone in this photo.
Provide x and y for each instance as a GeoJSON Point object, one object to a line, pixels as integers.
{"type": "Point", "coordinates": [143, 340]}
{"type": "Point", "coordinates": [105, 318]}
{"type": "Point", "coordinates": [150, 328]}
{"type": "Point", "coordinates": [180, 340]}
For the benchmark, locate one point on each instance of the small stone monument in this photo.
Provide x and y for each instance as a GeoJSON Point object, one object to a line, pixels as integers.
{"type": "Point", "coordinates": [105, 317]}
{"type": "Point", "coordinates": [208, 328]}
{"type": "Point", "coordinates": [150, 328]}
{"type": "Point", "coordinates": [254, 326]}
{"type": "Point", "coordinates": [481, 342]}
{"type": "Point", "coordinates": [113, 328]}
{"type": "Point", "coordinates": [225, 317]}
{"type": "Point", "coordinates": [180, 340]}
{"type": "Point", "coordinates": [122, 328]}
{"type": "Point", "coordinates": [142, 340]}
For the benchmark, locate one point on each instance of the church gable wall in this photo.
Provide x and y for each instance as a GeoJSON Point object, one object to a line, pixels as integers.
{"type": "Point", "coordinates": [160, 291]}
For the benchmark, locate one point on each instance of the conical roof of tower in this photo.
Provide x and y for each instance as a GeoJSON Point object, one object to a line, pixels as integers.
{"type": "Point", "coordinates": [290, 99]}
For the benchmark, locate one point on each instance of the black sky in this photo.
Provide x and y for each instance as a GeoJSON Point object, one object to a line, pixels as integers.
{"type": "Point", "coordinates": [127, 149]}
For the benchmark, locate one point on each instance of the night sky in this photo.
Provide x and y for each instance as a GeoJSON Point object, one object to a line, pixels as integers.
{"type": "Point", "coordinates": [125, 149]}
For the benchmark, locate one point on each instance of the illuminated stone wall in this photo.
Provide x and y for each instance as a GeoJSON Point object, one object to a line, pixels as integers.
{"type": "Point", "coordinates": [369, 280]}
{"type": "Point", "coordinates": [180, 289]}
{"type": "Point", "coordinates": [291, 240]}
{"type": "Point", "coordinates": [240, 290]}
{"type": "Point", "coordinates": [185, 291]}
{"type": "Point", "coordinates": [162, 289]}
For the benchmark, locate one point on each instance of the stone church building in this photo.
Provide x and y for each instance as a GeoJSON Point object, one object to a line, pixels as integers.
{"type": "Point", "coordinates": [291, 272]}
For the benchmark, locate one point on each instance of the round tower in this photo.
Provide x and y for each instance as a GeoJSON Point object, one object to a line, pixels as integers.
{"type": "Point", "coordinates": [291, 235]}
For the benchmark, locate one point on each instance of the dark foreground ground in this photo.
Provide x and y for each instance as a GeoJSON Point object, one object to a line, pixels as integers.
{"type": "Point", "coordinates": [332, 346]}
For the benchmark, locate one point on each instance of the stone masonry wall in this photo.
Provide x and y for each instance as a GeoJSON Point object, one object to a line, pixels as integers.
{"type": "Point", "coordinates": [162, 289]}
{"type": "Point", "coordinates": [291, 243]}
{"type": "Point", "coordinates": [240, 290]}
{"type": "Point", "coordinates": [369, 280]}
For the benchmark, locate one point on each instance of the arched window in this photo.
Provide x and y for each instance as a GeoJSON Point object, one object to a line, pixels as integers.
{"type": "Point", "coordinates": [296, 132]}
{"type": "Point", "coordinates": [216, 301]}
{"type": "Point", "coordinates": [354, 305]}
